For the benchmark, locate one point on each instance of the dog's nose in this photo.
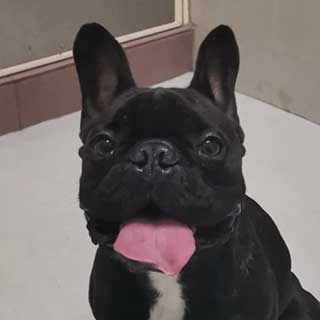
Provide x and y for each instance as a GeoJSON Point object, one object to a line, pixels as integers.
{"type": "Point", "coordinates": [152, 155]}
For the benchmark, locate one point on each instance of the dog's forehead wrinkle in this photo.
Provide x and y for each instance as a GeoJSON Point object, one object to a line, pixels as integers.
{"type": "Point", "coordinates": [162, 107]}
{"type": "Point", "coordinates": [126, 98]}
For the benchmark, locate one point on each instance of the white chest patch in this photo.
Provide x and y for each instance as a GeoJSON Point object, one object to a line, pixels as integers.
{"type": "Point", "coordinates": [169, 304]}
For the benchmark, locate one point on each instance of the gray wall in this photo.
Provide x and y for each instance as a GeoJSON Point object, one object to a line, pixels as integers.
{"type": "Point", "coordinates": [280, 48]}
{"type": "Point", "coordinates": [32, 29]}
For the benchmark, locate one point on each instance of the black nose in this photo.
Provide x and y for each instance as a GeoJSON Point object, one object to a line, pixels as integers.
{"type": "Point", "coordinates": [152, 155]}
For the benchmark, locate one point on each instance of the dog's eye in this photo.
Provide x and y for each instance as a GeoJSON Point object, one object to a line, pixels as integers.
{"type": "Point", "coordinates": [103, 146]}
{"type": "Point", "coordinates": [211, 147]}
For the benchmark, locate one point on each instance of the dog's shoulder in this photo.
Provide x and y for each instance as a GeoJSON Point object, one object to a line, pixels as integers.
{"type": "Point", "coordinates": [270, 238]}
{"type": "Point", "coordinates": [264, 226]}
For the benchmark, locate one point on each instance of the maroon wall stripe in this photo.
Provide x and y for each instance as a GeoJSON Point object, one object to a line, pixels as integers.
{"type": "Point", "coordinates": [9, 116]}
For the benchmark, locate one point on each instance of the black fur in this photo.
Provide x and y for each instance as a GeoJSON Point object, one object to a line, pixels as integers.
{"type": "Point", "coordinates": [242, 268]}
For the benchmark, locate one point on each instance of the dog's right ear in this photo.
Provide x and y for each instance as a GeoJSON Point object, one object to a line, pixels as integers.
{"type": "Point", "coordinates": [102, 67]}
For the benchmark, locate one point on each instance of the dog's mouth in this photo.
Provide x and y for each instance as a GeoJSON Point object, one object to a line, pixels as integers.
{"type": "Point", "coordinates": [158, 241]}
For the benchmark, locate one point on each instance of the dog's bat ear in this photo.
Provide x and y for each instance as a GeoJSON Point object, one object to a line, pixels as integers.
{"type": "Point", "coordinates": [102, 67]}
{"type": "Point", "coordinates": [217, 68]}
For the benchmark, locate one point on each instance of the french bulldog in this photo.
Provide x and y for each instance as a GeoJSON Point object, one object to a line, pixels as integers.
{"type": "Point", "coordinates": [165, 199]}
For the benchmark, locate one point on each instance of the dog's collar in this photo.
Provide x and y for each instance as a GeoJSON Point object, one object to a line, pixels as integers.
{"type": "Point", "coordinates": [99, 237]}
{"type": "Point", "coordinates": [234, 214]}
{"type": "Point", "coordinates": [228, 226]}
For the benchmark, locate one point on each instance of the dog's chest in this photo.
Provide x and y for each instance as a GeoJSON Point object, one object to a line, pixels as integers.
{"type": "Point", "coordinates": [169, 304]}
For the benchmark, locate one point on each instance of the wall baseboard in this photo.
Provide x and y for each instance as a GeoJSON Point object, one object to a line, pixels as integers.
{"type": "Point", "coordinates": [52, 90]}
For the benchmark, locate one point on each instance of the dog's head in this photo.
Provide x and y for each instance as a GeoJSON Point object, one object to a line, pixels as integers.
{"type": "Point", "coordinates": [155, 153]}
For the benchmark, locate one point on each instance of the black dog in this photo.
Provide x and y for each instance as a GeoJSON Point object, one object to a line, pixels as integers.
{"type": "Point", "coordinates": [153, 155]}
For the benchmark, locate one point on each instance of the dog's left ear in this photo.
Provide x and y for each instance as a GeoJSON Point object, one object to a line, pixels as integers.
{"type": "Point", "coordinates": [217, 68]}
{"type": "Point", "coordinates": [102, 67]}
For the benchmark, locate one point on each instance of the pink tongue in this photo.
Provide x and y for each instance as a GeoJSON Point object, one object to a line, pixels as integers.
{"type": "Point", "coordinates": [166, 245]}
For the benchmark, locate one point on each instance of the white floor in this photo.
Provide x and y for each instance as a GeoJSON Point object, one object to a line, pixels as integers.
{"type": "Point", "coordinates": [46, 254]}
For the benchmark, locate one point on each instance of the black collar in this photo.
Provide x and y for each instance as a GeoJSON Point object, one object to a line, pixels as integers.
{"type": "Point", "coordinates": [221, 233]}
